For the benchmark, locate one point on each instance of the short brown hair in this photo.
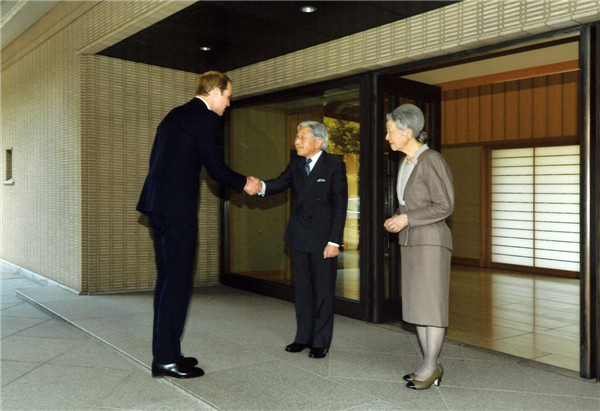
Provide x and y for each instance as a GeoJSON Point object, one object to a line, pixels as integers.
{"type": "Point", "coordinates": [210, 80]}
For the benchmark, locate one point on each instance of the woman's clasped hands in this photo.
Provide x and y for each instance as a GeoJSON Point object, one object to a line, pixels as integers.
{"type": "Point", "coordinates": [396, 223]}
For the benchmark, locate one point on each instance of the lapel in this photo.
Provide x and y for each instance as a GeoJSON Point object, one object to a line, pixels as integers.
{"type": "Point", "coordinates": [415, 169]}
{"type": "Point", "coordinates": [309, 181]}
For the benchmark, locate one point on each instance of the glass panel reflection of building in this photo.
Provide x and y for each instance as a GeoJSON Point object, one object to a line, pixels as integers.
{"type": "Point", "coordinates": [262, 143]}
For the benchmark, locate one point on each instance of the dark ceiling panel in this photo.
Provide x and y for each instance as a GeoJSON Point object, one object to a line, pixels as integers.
{"type": "Point", "coordinates": [241, 33]}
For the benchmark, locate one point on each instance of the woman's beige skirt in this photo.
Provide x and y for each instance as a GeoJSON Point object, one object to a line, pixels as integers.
{"type": "Point", "coordinates": [425, 285]}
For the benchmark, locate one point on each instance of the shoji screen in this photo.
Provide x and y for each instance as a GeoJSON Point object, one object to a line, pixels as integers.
{"type": "Point", "coordinates": [535, 207]}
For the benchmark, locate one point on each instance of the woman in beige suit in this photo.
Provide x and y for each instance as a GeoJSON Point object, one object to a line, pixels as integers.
{"type": "Point", "coordinates": [426, 199]}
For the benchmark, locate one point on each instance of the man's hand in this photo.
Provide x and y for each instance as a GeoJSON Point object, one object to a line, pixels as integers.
{"type": "Point", "coordinates": [253, 186]}
{"type": "Point", "coordinates": [331, 251]}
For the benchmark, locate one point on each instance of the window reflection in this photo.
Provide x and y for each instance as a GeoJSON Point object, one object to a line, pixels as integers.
{"type": "Point", "coordinates": [262, 144]}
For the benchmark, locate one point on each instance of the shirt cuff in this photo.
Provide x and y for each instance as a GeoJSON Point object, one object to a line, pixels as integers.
{"type": "Point", "coordinates": [264, 188]}
{"type": "Point", "coordinates": [333, 244]}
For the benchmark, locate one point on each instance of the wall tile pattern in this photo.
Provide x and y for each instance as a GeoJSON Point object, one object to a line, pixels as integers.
{"type": "Point", "coordinates": [125, 103]}
{"type": "Point", "coordinates": [465, 25]}
{"type": "Point", "coordinates": [68, 217]}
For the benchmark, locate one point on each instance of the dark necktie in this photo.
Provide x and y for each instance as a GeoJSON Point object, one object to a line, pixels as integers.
{"type": "Point", "coordinates": [307, 166]}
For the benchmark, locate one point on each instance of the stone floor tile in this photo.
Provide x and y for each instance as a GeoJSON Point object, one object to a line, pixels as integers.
{"type": "Point", "coordinates": [53, 387]}
{"type": "Point", "coordinates": [32, 349]}
{"type": "Point", "coordinates": [396, 394]}
{"type": "Point", "coordinates": [11, 370]}
{"type": "Point", "coordinates": [459, 398]}
{"type": "Point", "coordinates": [274, 386]}
{"type": "Point", "coordinates": [13, 325]}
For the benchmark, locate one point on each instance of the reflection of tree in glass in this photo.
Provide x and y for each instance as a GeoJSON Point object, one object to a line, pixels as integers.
{"type": "Point", "coordinates": [344, 136]}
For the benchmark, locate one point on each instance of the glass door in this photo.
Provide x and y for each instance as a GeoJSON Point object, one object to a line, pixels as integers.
{"type": "Point", "coordinates": [392, 92]}
{"type": "Point", "coordinates": [261, 143]}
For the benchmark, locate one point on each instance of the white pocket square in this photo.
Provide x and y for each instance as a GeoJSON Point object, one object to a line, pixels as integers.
{"type": "Point", "coordinates": [321, 180]}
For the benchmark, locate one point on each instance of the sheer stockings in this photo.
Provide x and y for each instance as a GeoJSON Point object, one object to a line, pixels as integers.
{"type": "Point", "coordinates": [431, 340]}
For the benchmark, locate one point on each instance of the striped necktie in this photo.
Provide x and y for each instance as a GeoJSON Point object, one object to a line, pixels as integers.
{"type": "Point", "coordinates": [307, 166]}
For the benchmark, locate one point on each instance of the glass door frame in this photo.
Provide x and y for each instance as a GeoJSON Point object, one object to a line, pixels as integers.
{"type": "Point", "coordinates": [349, 308]}
{"type": "Point", "coordinates": [383, 198]}
{"type": "Point", "coordinates": [372, 305]}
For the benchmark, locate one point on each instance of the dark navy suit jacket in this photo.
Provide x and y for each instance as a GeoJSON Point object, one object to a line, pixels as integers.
{"type": "Point", "coordinates": [186, 139]}
{"type": "Point", "coordinates": [319, 202]}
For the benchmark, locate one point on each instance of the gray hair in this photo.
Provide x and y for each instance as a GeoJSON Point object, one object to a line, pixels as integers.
{"type": "Point", "coordinates": [409, 116]}
{"type": "Point", "coordinates": [318, 130]}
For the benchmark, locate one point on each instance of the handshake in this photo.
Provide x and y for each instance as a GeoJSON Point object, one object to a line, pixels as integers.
{"type": "Point", "coordinates": [253, 186]}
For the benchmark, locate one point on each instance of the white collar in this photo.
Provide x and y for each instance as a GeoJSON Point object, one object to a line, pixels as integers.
{"type": "Point", "coordinates": [207, 106]}
{"type": "Point", "coordinates": [314, 159]}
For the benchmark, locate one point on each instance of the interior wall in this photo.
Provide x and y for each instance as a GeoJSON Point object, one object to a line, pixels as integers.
{"type": "Point", "coordinates": [522, 109]}
{"type": "Point", "coordinates": [465, 222]}
{"type": "Point", "coordinates": [525, 109]}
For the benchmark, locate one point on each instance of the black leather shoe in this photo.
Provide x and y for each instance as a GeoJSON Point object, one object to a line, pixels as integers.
{"type": "Point", "coordinates": [318, 352]}
{"type": "Point", "coordinates": [177, 370]}
{"type": "Point", "coordinates": [295, 347]}
{"type": "Point", "coordinates": [188, 361]}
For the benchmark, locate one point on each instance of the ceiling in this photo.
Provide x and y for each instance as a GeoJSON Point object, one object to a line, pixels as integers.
{"type": "Point", "coordinates": [240, 33]}
{"type": "Point", "coordinates": [18, 16]}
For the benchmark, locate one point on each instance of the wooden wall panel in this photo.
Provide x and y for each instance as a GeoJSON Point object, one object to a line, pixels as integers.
{"type": "Point", "coordinates": [511, 110]}
{"type": "Point", "coordinates": [449, 117]}
{"type": "Point", "coordinates": [462, 116]}
{"type": "Point", "coordinates": [540, 108]}
{"type": "Point", "coordinates": [555, 105]}
{"type": "Point", "coordinates": [530, 108]}
{"type": "Point", "coordinates": [570, 85]}
{"type": "Point", "coordinates": [525, 109]}
{"type": "Point", "coordinates": [485, 113]}
{"type": "Point", "coordinates": [498, 112]}
{"type": "Point", "coordinates": [473, 114]}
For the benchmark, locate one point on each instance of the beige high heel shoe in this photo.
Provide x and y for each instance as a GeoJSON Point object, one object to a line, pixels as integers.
{"type": "Point", "coordinates": [436, 378]}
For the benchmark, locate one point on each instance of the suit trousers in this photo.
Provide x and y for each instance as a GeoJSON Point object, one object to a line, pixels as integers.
{"type": "Point", "coordinates": [314, 287]}
{"type": "Point", "coordinates": [175, 249]}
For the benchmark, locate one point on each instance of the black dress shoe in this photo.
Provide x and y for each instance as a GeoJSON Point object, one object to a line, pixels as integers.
{"type": "Point", "coordinates": [318, 352]}
{"type": "Point", "coordinates": [177, 370]}
{"type": "Point", "coordinates": [188, 361]}
{"type": "Point", "coordinates": [295, 347]}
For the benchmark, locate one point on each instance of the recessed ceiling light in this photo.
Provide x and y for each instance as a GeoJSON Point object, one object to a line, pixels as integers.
{"type": "Point", "coordinates": [308, 9]}
{"type": "Point", "coordinates": [204, 48]}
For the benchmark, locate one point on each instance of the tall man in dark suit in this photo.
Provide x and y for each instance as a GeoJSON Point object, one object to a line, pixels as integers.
{"type": "Point", "coordinates": [186, 139]}
{"type": "Point", "coordinates": [314, 233]}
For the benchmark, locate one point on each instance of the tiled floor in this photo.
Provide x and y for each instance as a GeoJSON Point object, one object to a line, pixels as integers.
{"type": "Point", "coordinates": [98, 356]}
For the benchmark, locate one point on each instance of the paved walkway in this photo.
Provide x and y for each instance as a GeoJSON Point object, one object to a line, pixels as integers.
{"type": "Point", "coordinates": [62, 351]}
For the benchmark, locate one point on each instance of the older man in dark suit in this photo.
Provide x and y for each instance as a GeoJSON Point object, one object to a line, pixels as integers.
{"type": "Point", "coordinates": [314, 233]}
{"type": "Point", "coordinates": [186, 139]}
